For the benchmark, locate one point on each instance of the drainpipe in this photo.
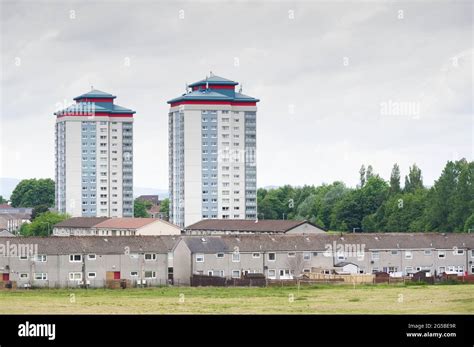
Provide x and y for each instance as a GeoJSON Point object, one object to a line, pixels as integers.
{"type": "Point", "coordinates": [192, 268]}
{"type": "Point", "coordinates": [84, 280]}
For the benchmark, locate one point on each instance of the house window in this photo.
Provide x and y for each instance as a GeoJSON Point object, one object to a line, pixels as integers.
{"type": "Point", "coordinates": [441, 255]}
{"type": "Point", "coordinates": [41, 276]}
{"type": "Point", "coordinates": [199, 258]}
{"type": "Point", "coordinates": [220, 255]}
{"type": "Point", "coordinates": [150, 256]}
{"type": "Point", "coordinates": [458, 269]}
{"type": "Point", "coordinates": [150, 274]}
{"type": "Point", "coordinates": [409, 269]}
{"type": "Point", "coordinates": [375, 255]}
{"type": "Point", "coordinates": [307, 256]}
{"type": "Point", "coordinates": [271, 256]}
{"type": "Point", "coordinates": [75, 258]}
{"type": "Point", "coordinates": [235, 257]}
{"type": "Point", "coordinates": [75, 276]}
{"type": "Point", "coordinates": [427, 252]}
{"type": "Point", "coordinates": [91, 275]}
{"type": "Point", "coordinates": [408, 255]}
{"type": "Point", "coordinates": [24, 276]}
{"type": "Point", "coordinates": [134, 274]}
{"type": "Point", "coordinates": [271, 273]}
{"type": "Point", "coordinates": [341, 256]}
{"type": "Point", "coordinates": [219, 273]}
{"type": "Point", "coordinates": [210, 273]}
{"type": "Point", "coordinates": [23, 257]}
{"type": "Point", "coordinates": [394, 252]}
{"type": "Point", "coordinates": [235, 273]}
{"type": "Point", "coordinates": [91, 257]}
{"type": "Point", "coordinates": [41, 258]}
{"type": "Point", "coordinates": [441, 269]}
{"type": "Point", "coordinates": [291, 254]}
{"type": "Point", "coordinates": [458, 252]}
{"type": "Point", "coordinates": [306, 270]}
{"type": "Point", "coordinates": [255, 255]}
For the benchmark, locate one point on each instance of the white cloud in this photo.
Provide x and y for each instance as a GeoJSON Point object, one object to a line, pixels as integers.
{"type": "Point", "coordinates": [297, 64]}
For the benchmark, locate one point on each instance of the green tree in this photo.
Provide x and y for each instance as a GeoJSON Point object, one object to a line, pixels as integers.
{"type": "Point", "coordinates": [37, 210]}
{"type": "Point", "coordinates": [362, 176]}
{"type": "Point", "coordinates": [165, 207]}
{"type": "Point", "coordinates": [463, 200]}
{"type": "Point", "coordinates": [352, 209]}
{"type": "Point", "coordinates": [441, 198]}
{"type": "Point", "coordinates": [33, 192]}
{"type": "Point", "coordinates": [413, 180]}
{"type": "Point", "coordinates": [140, 208]}
{"type": "Point", "coordinates": [334, 193]}
{"type": "Point", "coordinates": [469, 225]}
{"type": "Point", "coordinates": [395, 180]}
{"type": "Point", "coordinates": [369, 223]}
{"type": "Point", "coordinates": [2, 200]}
{"type": "Point", "coordinates": [405, 212]}
{"type": "Point", "coordinates": [370, 173]}
{"type": "Point", "coordinates": [43, 224]}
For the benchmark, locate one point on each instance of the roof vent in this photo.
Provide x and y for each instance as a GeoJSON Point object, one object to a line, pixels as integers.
{"type": "Point", "coordinates": [307, 239]}
{"type": "Point", "coordinates": [376, 237]}
{"type": "Point", "coordinates": [106, 240]}
{"type": "Point", "coordinates": [203, 239]}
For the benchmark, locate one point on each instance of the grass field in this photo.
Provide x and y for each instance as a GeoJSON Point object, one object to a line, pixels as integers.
{"type": "Point", "coordinates": [319, 299]}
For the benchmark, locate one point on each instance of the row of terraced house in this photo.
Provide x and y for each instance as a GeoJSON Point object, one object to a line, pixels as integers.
{"type": "Point", "coordinates": [173, 259]}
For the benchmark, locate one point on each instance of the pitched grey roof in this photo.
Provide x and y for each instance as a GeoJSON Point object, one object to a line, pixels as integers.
{"type": "Point", "coordinates": [379, 241]}
{"type": "Point", "coordinates": [211, 244]}
{"type": "Point", "coordinates": [96, 244]}
{"type": "Point", "coordinates": [247, 225]}
{"type": "Point", "coordinates": [245, 243]}
{"type": "Point", "coordinates": [95, 93]}
{"type": "Point", "coordinates": [6, 233]}
{"type": "Point", "coordinates": [213, 79]}
{"type": "Point", "coordinates": [81, 222]}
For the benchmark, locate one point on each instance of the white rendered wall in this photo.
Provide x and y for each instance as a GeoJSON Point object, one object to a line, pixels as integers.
{"type": "Point", "coordinates": [192, 167]}
{"type": "Point", "coordinates": [73, 168]}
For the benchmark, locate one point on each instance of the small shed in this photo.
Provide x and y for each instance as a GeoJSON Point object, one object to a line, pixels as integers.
{"type": "Point", "coordinates": [346, 268]}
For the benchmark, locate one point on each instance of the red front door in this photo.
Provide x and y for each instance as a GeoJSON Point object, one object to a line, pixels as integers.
{"type": "Point", "coordinates": [116, 275]}
{"type": "Point", "coordinates": [6, 277]}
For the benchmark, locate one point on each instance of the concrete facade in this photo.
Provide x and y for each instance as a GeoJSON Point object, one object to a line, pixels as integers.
{"type": "Point", "coordinates": [162, 260]}
{"type": "Point", "coordinates": [94, 157]}
{"type": "Point", "coordinates": [212, 146]}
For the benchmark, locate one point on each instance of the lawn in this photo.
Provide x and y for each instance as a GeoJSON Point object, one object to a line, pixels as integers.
{"type": "Point", "coordinates": [319, 299]}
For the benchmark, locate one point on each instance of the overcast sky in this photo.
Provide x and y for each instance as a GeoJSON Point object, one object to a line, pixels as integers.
{"type": "Point", "coordinates": [331, 77]}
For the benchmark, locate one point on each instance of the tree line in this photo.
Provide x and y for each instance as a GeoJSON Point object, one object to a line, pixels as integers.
{"type": "Point", "coordinates": [376, 205]}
